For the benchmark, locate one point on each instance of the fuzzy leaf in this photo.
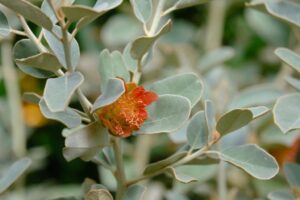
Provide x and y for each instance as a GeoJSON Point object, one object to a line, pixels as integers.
{"type": "Point", "coordinates": [24, 49]}
{"type": "Point", "coordinates": [289, 57]}
{"type": "Point", "coordinates": [197, 131]}
{"type": "Point", "coordinates": [135, 192]}
{"type": "Point", "coordinates": [58, 48]}
{"type": "Point", "coordinates": [142, 9]}
{"type": "Point", "coordinates": [188, 85]}
{"type": "Point", "coordinates": [286, 112]}
{"type": "Point", "coordinates": [4, 26]}
{"type": "Point", "coordinates": [68, 117]}
{"type": "Point", "coordinates": [43, 61]}
{"type": "Point", "coordinates": [58, 91]}
{"type": "Point", "coordinates": [180, 4]}
{"type": "Point", "coordinates": [142, 44]}
{"type": "Point", "coordinates": [166, 114]}
{"type": "Point", "coordinates": [87, 14]}
{"type": "Point", "coordinates": [112, 66]}
{"type": "Point", "coordinates": [253, 159]}
{"type": "Point", "coordinates": [292, 173]}
{"type": "Point", "coordinates": [293, 82]}
{"type": "Point", "coordinates": [238, 118]}
{"type": "Point", "coordinates": [13, 173]}
{"type": "Point", "coordinates": [255, 96]}
{"type": "Point", "coordinates": [181, 177]}
{"type": "Point", "coordinates": [286, 10]}
{"type": "Point", "coordinates": [30, 12]}
{"type": "Point", "coordinates": [114, 89]}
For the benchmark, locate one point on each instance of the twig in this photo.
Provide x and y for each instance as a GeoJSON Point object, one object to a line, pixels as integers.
{"type": "Point", "coordinates": [120, 173]}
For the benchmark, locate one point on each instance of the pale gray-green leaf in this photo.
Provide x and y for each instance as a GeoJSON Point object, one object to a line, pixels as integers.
{"type": "Point", "coordinates": [58, 48]}
{"type": "Point", "coordinates": [26, 48]}
{"type": "Point", "coordinates": [253, 159]}
{"type": "Point", "coordinates": [58, 91]}
{"type": "Point", "coordinates": [135, 192]}
{"type": "Point", "coordinates": [87, 14]}
{"type": "Point", "coordinates": [153, 167]}
{"type": "Point", "coordinates": [286, 10]}
{"type": "Point", "coordinates": [292, 173]}
{"type": "Point", "coordinates": [293, 82]}
{"type": "Point", "coordinates": [166, 114]}
{"type": "Point", "coordinates": [188, 85]}
{"type": "Point", "coordinates": [180, 4]}
{"type": "Point", "coordinates": [114, 89]}
{"type": "Point", "coordinates": [112, 66]}
{"type": "Point", "coordinates": [46, 8]}
{"type": "Point", "coordinates": [13, 173]}
{"type": "Point", "coordinates": [85, 154]}
{"type": "Point", "coordinates": [90, 136]}
{"type": "Point", "coordinates": [142, 9]}
{"type": "Point", "coordinates": [281, 195]}
{"type": "Point", "coordinates": [4, 26]}
{"type": "Point", "coordinates": [129, 62]}
{"type": "Point", "coordinates": [210, 117]}
{"type": "Point", "coordinates": [179, 176]}
{"type": "Point", "coordinates": [98, 194]}
{"type": "Point", "coordinates": [31, 97]}
{"type": "Point", "coordinates": [68, 117]}
{"type": "Point", "coordinates": [142, 44]}
{"type": "Point", "coordinates": [215, 58]}
{"type": "Point", "coordinates": [256, 96]}
{"type": "Point", "coordinates": [236, 119]}
{"type": "Point", "coordinates": [258, 111]}
{"type": "Point", "coordinates": [44, 61]}
{"type": "Point", "coordinates": [29, 11]}
{"type": "Point", "coordinates": [286, 112]}
{"type": "Point", "coordinates": [289, 57]}
{"type": "Point", "coordinates": [197, 131]}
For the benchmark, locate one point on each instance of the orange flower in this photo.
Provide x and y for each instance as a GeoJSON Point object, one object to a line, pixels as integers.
{"type": "Point", "coordinates": [128, 113]}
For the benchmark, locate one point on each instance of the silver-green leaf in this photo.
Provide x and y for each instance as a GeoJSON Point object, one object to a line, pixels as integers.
{"type": "Point", "coordinates": [58, 91]}
{"type": "Point", "coordinates": [141, 45]}
{"type": "Point", "coordinates": [30, 12]}
{"type": "Point", "coordinates": [24, 49]}
{"type": "Point", "coordinates": [188, 85]}
{"type": "Point", "coordinates": [253, 159]}
{"type": "Point", "coordinates": [238, 118]}
{"type": "Point", "coordinates": [57, 47]}
{"type": "Point", "coordinates": [13, 173]}
{"type": "Point", "coordinates": [44, 61]}
{"type": "Point", "coordinates": [135, 192]}
{"type": "Point", "coordinates": [166, 114]}
{"type": "Point", "coordinates": [197, 131]}
{"type": "Point", "coordinates": [68, 117]}
{"type": "Point", "coordinates": [114, 89]}
{"type": "Point", "coordinates": [112, 66]}
{"type": "Point", "coordinates": [286, 112]}
{"type": "Point", "coordinates": [289, 57]}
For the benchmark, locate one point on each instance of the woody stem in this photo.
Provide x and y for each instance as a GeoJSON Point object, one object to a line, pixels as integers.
{"type": "Point", "coordinates": [120, 173]}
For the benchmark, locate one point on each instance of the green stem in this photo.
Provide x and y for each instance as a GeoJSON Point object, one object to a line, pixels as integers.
{"type": "Point", "coordinates": [120, 173]}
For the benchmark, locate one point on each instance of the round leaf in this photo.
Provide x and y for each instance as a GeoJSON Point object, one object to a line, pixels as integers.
{"type": "Point", "coordinates": [167, 114]}
{"type": "Point", "coordinates": [286, 112]}
{"type": "Point", "coordinates": [253, 159]}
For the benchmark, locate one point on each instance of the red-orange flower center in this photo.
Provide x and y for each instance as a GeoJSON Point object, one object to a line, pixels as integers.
{"type": "Point", "coordinates": [128, 113]}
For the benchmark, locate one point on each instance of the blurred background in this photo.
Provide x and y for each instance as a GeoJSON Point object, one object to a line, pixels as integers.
{"type": "Point", "coordinates": [231, 47]}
